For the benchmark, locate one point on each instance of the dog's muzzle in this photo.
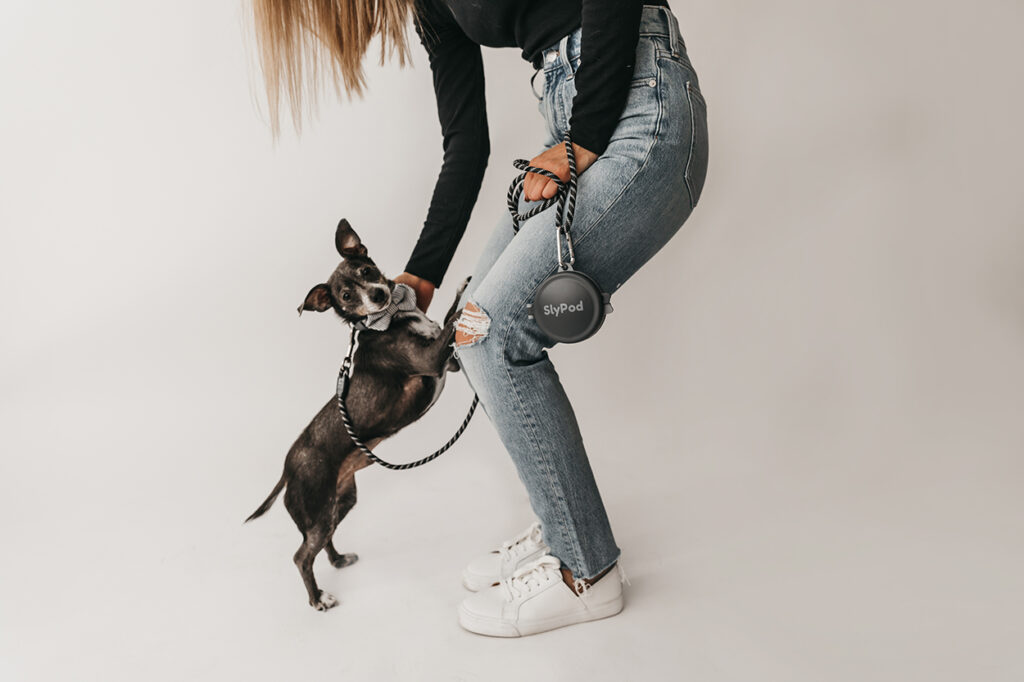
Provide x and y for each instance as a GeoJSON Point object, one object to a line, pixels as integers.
{"type": "Point", "coordinates": [403, 299]}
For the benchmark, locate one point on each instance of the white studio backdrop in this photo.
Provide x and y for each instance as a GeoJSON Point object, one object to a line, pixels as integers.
{"type": "Point", "coordinates": [810, 449]}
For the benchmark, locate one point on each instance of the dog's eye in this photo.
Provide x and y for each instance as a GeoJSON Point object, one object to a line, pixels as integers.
{"type": "Point", "coordinates": [365, 272]}
{"type": "Point", "coordinates": [346, 296]}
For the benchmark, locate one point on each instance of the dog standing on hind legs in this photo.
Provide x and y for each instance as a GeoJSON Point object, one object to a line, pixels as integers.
{"type": "Point", "coordinates": [397, 375]}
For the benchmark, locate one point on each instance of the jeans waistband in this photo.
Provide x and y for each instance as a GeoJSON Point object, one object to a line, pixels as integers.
{"type": "Point", "coordinates": [654, 20]}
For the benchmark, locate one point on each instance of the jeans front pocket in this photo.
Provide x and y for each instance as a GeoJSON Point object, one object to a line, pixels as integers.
{"type": "Point", "coordinates": [697, 162]}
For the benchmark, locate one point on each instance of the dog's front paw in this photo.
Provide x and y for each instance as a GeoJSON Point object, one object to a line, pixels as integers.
{"type": "Point", "coordinates": [452, 365]}
{"type": "Point", "coordinates": [462, 287]}
{"type": "Point", "coordinates": [425, 328]}
{"type": "Point", "coordinates": [344, 560]}
{"type": "Point", "coordinates": [326, 601]}
{"type": "Point", "coordinates": [454, 311]}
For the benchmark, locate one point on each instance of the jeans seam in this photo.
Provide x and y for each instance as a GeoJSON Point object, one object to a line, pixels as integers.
{"type": "Point", "coordinates": [551, 480]}
{"type": "Point", "coordinates": [693, 143]}
{"type": "Point", "coordinates": [577, 239]}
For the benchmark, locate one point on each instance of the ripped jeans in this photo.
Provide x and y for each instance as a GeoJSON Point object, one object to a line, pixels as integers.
{"type": "Point", "coordinates": [630, 202]}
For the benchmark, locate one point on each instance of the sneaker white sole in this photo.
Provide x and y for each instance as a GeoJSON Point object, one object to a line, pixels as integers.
{"type": "Point", "coordinates": [496, 628]}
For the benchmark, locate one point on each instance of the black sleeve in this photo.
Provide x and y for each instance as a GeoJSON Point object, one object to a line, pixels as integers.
{"type": "Point", "coordinates": [610, 31]}
{"type": "Point", "coordinates": [458, 72]}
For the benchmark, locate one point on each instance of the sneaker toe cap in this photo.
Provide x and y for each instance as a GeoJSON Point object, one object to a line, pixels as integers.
{"type": "Point", "coordinates": [482, 571]}
{"type": "Point", "coordinates": [484, 613]}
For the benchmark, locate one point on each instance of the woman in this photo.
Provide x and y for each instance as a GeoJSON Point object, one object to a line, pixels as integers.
{"type": "Point", "coordinates": [617, 76]}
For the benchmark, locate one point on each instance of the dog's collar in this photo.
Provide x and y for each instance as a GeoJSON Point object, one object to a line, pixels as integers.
{"type": "Point", "coordinates": [403, 299]}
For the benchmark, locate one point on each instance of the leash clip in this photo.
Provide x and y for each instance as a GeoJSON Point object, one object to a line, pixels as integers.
{"type": "Point", "coordinates": [562, 264]}
{"type": "Point", "coordinates": [346, 364]}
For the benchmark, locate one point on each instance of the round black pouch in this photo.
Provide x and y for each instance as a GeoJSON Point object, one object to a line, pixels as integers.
{"type": "Point", "coordinates": [569, 306]}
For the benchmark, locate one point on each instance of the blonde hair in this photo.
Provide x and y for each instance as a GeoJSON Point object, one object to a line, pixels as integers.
{"type": "Point", "coordinates": [303, 43]}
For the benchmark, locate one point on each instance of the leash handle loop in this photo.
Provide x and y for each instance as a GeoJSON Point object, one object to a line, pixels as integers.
{"type": "Point", "coordinates": [565, 198]}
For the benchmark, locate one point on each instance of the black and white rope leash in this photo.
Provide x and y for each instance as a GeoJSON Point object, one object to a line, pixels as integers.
{"type": "Point", "coordinates": [343, 382]}
{"type": "Point", "coordinates": [565, 198]}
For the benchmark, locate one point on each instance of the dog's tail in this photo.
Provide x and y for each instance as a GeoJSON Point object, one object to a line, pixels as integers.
{"type": "Point", "coordinates": [269, 502]}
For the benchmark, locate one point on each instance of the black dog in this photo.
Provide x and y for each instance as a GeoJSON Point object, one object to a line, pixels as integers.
{"type": "Point", "coordinates": [397, 376]}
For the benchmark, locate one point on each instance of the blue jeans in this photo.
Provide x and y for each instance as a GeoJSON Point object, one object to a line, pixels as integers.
{"type": "Point", "coordinates": [630, 202]}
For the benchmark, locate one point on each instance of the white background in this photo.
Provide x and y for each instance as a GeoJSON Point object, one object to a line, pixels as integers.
{"type": "Point", "coordinates": [805, 413]}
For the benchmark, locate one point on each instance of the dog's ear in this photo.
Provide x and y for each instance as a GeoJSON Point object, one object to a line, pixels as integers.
{"type": "Point", "coordinates": [318, 299]}
{"type": "Point", "coordinates": [347, 241]}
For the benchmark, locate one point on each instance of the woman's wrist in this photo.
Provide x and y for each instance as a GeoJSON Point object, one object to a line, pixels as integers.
{"type": "Point", "coordinates": [424, 289]}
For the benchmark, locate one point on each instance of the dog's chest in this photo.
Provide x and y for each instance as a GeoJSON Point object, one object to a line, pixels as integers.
{"type": "Point", "coordinates": [423, 391]}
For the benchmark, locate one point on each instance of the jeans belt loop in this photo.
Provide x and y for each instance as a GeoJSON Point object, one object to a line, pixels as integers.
{"type": "Point", "coordinates": [675, 40]}
{"type": "Point", "coordinates": [563, 55]}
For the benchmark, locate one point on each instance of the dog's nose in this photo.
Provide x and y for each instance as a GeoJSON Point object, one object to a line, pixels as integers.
{"type": "Point", "coordinates": [378, 296]}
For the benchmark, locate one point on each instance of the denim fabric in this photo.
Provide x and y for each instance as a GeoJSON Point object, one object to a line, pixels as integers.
{"type": "Point", "coordinates": [630, 202]}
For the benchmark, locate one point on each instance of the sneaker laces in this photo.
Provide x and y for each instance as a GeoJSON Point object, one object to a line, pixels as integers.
{"type": "Point", "coordinates": [532, 575]}
{"type": "Point", "coordinates": [524, 543]}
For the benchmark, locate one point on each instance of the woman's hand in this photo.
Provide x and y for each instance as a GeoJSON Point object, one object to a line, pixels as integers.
{"type": "Point", "coordinates": [537, 187]}
{"type": "Point", "coordinates": [424, 289]}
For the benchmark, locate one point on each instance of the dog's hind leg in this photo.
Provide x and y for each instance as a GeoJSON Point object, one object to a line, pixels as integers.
{"type": "Point", "coordinates": [346, 500]}
{"type": "Point", "coordinates": [313, 541]}
{"type": "Point", "coordinates": [308, 499]}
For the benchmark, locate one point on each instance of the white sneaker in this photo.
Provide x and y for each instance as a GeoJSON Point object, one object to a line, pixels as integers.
{"type": "Point", "coordinates": [536, 599]}
{"type": "Point", "coordinates": [499, 564]}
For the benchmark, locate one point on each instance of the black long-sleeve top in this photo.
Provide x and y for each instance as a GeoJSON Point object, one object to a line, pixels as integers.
{"type": "Point", "coordinates": [452, 32]}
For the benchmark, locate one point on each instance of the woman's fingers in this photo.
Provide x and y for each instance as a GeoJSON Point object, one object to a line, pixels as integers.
{"type": "Point", "coordinates": [532, 186]}
{"type": "Point", "coordinates": [537, 187]}
{"type": "Point", "coordinates": [537, 184]}
{"type": "Point", "coordinates": [550, 189]}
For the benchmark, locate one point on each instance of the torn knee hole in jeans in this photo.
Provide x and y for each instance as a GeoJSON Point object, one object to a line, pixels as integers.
{"type": "Point", "coordinates": [472, 326]}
